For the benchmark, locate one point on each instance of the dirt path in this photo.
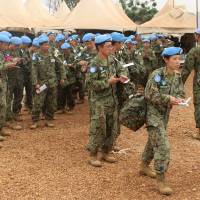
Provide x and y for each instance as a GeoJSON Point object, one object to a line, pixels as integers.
{"type": "Point", "coordinates": [51, 164]}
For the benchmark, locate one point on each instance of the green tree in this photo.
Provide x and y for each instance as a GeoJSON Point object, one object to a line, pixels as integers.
{"type": "Point", "coordinates": [139, 11]}
{"type": "Point", "coordinates": [71, 3]}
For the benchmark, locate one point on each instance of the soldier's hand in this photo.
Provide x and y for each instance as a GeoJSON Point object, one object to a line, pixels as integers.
{"type": "Point", "coordinates": [123, 79]}
{"type": "Point", "coordinates": [11, 65]}
{"type": "Point", "coordinates": [62, 82]}
{"type": "Point", "coordinates": [83, 62]}
{"type": "Point", "coordinates": [37, 86]}
{"type": "Point", "coordinates": [174, 100]}
{"type": "Point", "coordinates": [113, 80]}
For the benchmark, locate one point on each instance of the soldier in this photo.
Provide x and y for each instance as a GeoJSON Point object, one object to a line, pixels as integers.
{"type": "Point", "coordinates": [101, 82]}
{"type": "Point", "coordinates": [26, 68]}
{"type": "Point", "coordinates": [59, 58]}
{"type": "Point", "coordinates": [51, 36]}
{"type": "Point", "coordinates": [148, 56]}
{"type": "Point", "coordinates": [44, 81]}
{"type": "Point", "coordinates": [157, 48]}
{"type": "Point", "coordinates": [4, 65]}
{"type": "Point", "coordinates": [15, 84]}
{"type": "Point", "coordinates": [163, 91]}
{"type": "Point", "coordinates": [193, 62]}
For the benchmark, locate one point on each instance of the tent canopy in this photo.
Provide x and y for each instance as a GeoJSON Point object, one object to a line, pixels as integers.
{"type": "Point", "coordinates": [98, 15]}
{"type": "Point", "coordinates": [63, 11]}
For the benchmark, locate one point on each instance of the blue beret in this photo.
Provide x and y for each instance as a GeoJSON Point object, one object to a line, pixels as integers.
{"type": "Point", "coordinates": [197, 31]}
{"type": "Point", "coordinates": [50, 33]}
{"type": "Point", "coordinates": [26, 40]}
{"type": "Point", "coordinates": [88, 37]}
{"type": "Point", "coordinates": [4, 38]}
{"type": "Point", "coordinates": [16, 41]}
{"type": "Point", "coordinates": [43, 39]}
{"type": "Point", "coordinates": [8, 34]}
{"type": "Point", "coordinates": [65, 46]}
{"type": "Point", "coordinates": [153, 37]}
{"type": "Point", "coordinates": [117, 37]}
{"type": "Point", "coordinates": [103, 38]}
{"type": "Point", "coordinates": [35, 42]}
{"type": "Point", "coordinates": [132, 37]}
{"type": "Point", "coordinates": [60, 37]}
{"type": "Point", "coordinates": [172, 51]}
{"type": "Point", "coordinates": [129, 40]}
{"type": "Point", "coordinates": [146, 40]}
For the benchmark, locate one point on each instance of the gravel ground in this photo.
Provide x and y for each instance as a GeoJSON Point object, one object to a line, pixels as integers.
{"type": "Point", "coordinates": [51, 164]}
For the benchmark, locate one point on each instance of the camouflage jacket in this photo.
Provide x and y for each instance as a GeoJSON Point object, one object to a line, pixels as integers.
{"type": "Point", "coordinates": [43, 69]}
{"type": "Point", "coordinates": [99, 72]}
{"type": "Point", "coordinates": [158, 49]}
{"type": "Point", "coordinates": [26, 63]}
{"type": "Point", "coordinates": [3, 75]}
{"type": "Point", "coordinates": [193, 62]}
{"type": "Point", "coordinates": [59, 59]}
{"type": "Point", "coordinates": [149, 59]}
{"type": "Point", "coordinates": [15, 74]}
{"type": "Point", "coordinates": [159, 88]}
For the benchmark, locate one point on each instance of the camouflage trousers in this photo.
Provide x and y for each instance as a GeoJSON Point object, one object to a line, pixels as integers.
{"type": "Point", "coordinates": [14, 98]}
{"type": "Point", "coordinates": [46, 102]}
{"type": "Point", "coordinates": [103, 128]}
{"type": "Point", "coordinates": [157, 148]}
{"type": "Point", "coordinates": [29, 91]}
{"type": "Point", "coordinates": [3, 90]}
{"type": "Point", "coordinates": [197, 108]}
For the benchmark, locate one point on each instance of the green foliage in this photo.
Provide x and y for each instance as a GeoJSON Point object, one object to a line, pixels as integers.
{"type": "Point", "coordinates": [139, 11]}
{"type": "Point", "coordinates": [71, 3]}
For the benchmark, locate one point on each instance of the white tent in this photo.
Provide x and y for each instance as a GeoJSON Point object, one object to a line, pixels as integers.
{"type": "Point", "coordinates": [98, 15]}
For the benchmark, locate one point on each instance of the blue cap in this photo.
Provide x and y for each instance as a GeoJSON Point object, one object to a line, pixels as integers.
{"type": "Point", "coordinates": [16, 40]}
{"type": "Point", "coordinates": [65, 46]}
{"type": "Point", "coordinates": [117, 37]}
{"type": "Point", "coordinates": [4, 38]}
{"type": "Point", "coordinates": [43, 39]}
{"type": "Point", "coordinates": [197, 31]}
{"type": "Point", "coordinates": [103, 38]}
{"type": "Point", "coordinates": [73, 37]}
{"type": "Point", "coordinates": [60, 37]}
{"type": "Point", "coordinates": [171, 51]}
{"type": "Point", "coordinates": [50, 33]}
{"type": "Point", "coordinates": [88, 37]}
{"type": "Point", "coordinates": [8, 34]}
{"type": "Point", "coordinates": [129, 40]}
{"type": "Point", "coordinates": [146, 41]}
{"type": "Point", "coordinates": [35, 42]}
{"type": "Point", "coordinates": [26, 40]}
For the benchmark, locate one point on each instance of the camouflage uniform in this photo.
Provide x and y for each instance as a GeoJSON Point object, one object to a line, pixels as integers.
{"type": "Point", "coordinates": [3, 90]}
{"type": "Point", "coordinates": [59, 59]}
{"type": "Point", "coordinates": [103, 125]}
{"type": "Point", "coordinates": [44, 72]}
{"type": "Point", "coordinates": [15, 86]}
{"type": "Point", "coordinates": [158, 49]}
{"type": "Point", "coordinates": [193, 62]}
{"type": "Point", "coordinates": [26, 68]}
{"type": "Point", "coordinates": [157, 94]}
{"type": "Point", "coordinates": [149, 59]}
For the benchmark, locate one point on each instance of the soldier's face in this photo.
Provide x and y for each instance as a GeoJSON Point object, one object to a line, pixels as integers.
{"type": "Point", "coordinates": [173, 62]}
{"type": "Point", "coordinates": [89, 45]}
{"type": "Point", "coordinates": [146, 44]}
{"type": "Point", "coordinates": [106, 49]}
{"type": "Point", "coordinates": [197, 37]}
{"type": "Point", "coordinates": [51, 38]}
{"type": "Point", "coordinates": [45, 47]}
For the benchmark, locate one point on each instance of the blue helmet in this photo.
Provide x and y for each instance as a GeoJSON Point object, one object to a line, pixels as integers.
{"type": "Point", "coordinates": [88, 37]}
{"type": "Point", "coordinates": [8, 34]}
{"type": "Point", "coordinates": [65, 46]}
{"type": "Point", "coordinates": [26, 40]}
{"type": "Point", "coordinates": [172, 51]}
{"type": "Point", "coordinates": [103, 38]}
{"type": "Point", "coordinates": [4, 38]}
{"type": "Point", "coordinates": [117, 37]}
{"type": "Point", "coordinates": [16, 41]}
{"type": "Point", "coordinates": [35, 42]}
{"type": "Point", "coordinates": [60, 37]}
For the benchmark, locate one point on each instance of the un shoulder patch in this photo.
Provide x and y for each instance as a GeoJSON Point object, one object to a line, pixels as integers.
{"type": "Point", "coordinates": [93, 69]}
{"type": "Point", "coordinates": [157, 78]}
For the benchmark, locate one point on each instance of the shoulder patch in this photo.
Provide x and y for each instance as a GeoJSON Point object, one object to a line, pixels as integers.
{"type": "Point", "coordinates": [93, 69]}
{"type": "Point", "coordinates": [157, 78]}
